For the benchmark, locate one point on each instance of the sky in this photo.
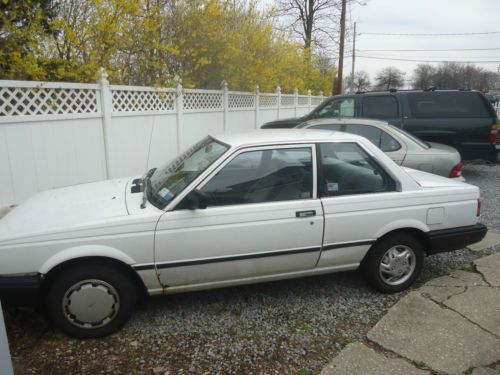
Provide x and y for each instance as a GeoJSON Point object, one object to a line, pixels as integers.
{"type": "Point", "coordinates": [424, 16]}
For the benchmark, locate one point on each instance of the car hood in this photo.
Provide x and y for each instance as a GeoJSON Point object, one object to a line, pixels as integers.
{"type": "Point", "coordinates": [66, 208]}
{"type": "Point", "coordinates": [283, 124]}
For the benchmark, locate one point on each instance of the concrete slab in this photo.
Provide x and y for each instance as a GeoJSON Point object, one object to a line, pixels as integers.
{"type": "Point", "coordinates": [422, 331]}
{"type": "Point", "coordinates": [441, 293]}
{"type": "Point", "coordinates": [491, 239]}
{"type": "Point", "coordinates": [490, 268]}
{"type": "Point", "coordinates": [358, 359]}
{"type": "Point", "coordinates": [481, 305]}
{"type": "Point", "coordinates": [458, 278]}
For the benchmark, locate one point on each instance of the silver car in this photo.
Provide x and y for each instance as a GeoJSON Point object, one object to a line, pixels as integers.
{"type": "Point", "coordinates": [402, 147]}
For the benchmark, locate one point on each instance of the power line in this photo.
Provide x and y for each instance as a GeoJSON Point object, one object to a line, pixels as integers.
{"type": "Point", "coordinates": [424, 34]}
{"type": "Point", "coordinates": [432, 57]}
{"type": "Point", "coordinates": [438, 61]}
{"type": "Point", "coordinates": [429, 50]}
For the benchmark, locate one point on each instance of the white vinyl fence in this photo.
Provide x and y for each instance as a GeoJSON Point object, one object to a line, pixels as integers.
{"type": "Point", "coordinates": [59, 134]}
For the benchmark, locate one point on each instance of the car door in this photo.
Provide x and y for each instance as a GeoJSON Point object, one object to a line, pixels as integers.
{"type": "Point", "coordinates": [263, 217]}
{"type": "Point", "coordinates": [358, 199]}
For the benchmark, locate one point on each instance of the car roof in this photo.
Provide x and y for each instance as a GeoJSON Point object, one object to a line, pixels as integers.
{"type": "Point", "coordinates": [274, 136]}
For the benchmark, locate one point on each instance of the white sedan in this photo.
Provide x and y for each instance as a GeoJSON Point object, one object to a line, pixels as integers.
{"type": "Point", "coordinates": [236, 209]}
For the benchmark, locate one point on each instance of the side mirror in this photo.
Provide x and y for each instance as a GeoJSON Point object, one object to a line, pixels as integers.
{"type": "Point", "coordinates": [195, 199]}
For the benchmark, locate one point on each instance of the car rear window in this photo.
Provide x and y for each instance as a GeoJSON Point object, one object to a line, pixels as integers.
{"type": "Point", "coordinates": [447, 104]}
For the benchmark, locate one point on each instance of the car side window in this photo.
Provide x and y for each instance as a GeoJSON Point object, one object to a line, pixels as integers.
{"type": "Point", "coordinates": [347, 169]}
{"type": "Point", "coordinates": [263, 176]}
{"type": "Point", "coordinates": [338, 108]}
{"type": "Point", "coordinates": [388, 143]}
{"type": "Point", "coordinates": [372, 133]}
{"type": "Point", "coordinates": [384, 106]}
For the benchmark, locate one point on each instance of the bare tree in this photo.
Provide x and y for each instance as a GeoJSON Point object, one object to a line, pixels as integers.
{"type": "Point", "coordinates": [423, 76]}
{"type": "Point", "coordinates": [389, 78]}
{"type": "Point", "coordinates": [451, 75]}
{"type": "Point", "coordinates": [313, 21]}
{"type": "Point", "coordinates": [361, 81]}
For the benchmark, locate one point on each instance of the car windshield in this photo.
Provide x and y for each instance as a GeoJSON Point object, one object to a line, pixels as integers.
{"type": "Point", "coordinates": [168, 181]}
{"type": "Point", "coordinates": [418, 141]}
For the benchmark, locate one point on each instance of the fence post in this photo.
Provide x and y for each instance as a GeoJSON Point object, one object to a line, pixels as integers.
{"type": "Point", "coordinates": [309, 99]}
{"type": "Point", "coordinates": [257, 90]}
{"type": "Point", "coordinates": [225, 103]}
{"type": "Point", "coordinates": [321, 95]}
{"type": "Point", "coordinates": [106, 110]}
{"type": "Point", "coordinates": [278, 91]}
{"type": "Point", "coordinates": [5, 360]}
{"type": "Point", "coordinates": [295, 100]}
{"type": "Point", "coordinates": [179, 106]}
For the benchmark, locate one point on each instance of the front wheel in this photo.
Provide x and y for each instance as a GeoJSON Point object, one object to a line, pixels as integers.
{"type": "Point", "coordinates": [394, 263]}
{"type": "Point", "coordinates": [91, 301]}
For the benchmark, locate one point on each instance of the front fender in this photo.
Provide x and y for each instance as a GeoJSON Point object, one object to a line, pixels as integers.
{"type": "Point", "coordinates": [84, 251]}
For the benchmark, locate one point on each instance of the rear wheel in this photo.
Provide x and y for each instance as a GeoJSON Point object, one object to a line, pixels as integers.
{"type": "Point", "coordinates": [393, 263]}
{"type": "Point", "coordinates": [90, 301]}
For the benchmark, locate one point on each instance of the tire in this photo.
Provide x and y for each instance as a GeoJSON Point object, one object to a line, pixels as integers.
{"type": "Point", "coordinates": [90, 301]}
{"type": "Point", "coordinates": [393, 263]}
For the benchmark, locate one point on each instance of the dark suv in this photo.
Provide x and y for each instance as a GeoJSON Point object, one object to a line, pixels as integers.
{"type": "Point", "coordinates": [465, 120]}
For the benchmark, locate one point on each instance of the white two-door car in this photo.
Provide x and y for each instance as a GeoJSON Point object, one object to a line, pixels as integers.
{"type": "Point", "coordinates": [236, 209]}
{"type": "Point", "coordinates": [402, 147]}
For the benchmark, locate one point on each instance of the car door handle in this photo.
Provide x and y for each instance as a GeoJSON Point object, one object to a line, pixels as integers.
{"type": "Point", "coordinates": [305, 213]}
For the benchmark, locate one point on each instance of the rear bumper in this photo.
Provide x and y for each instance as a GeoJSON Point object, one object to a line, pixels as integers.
{"type": "Point", "coordinates": [21, 290]}
{"type": "Point", "coordinates": [455, 238]}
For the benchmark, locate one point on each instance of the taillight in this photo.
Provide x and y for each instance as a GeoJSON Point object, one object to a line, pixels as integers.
{"type": "Point", "coordinates": [478, 211]}
{"type": "Point", "coordinates": [456, 171]}
{"type": "Point", "coordinates": [493, 133]}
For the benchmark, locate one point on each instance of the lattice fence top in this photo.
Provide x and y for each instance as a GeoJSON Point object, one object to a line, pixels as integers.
{"type": "Point", "coordinates": [268, 100]}
{"type": "Point", "coordinates": [288, 100]}
{"type": "Point", "coordinates": [203, 100]}
{"type": "Point", "coordinates": [315, 100]}
{"type": "Point", "coordinates": [240, 100]}
{"type": "Point", "coordinates": [303, 100]}
{"type": "Point", "coordinates": [19, 98]}
{"type": "Point", "coordinates": [15, 101]}
{"type": "Point", "coordinates": [135, 101]}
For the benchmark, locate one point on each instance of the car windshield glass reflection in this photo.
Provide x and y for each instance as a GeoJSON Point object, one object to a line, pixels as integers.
{"type": "Point", "coordinates": [168, 181]}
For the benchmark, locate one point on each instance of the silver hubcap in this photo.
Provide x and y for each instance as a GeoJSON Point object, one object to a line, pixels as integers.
{"type": "Point", "coordinates": [397, 265]}
{"type": "Point", "coordinates": [91, 304]}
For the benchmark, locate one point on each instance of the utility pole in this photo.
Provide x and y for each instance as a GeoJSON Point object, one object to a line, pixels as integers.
{"type": "Point", "coordinates": [353, 58]}
{"type": "Point", "coordinates": [337, 84]}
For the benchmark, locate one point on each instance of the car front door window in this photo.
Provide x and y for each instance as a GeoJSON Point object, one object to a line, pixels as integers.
{"type": "Point", "coordinates": [262, 176]}
{"type": "Point", "coordinates": [338, 108]}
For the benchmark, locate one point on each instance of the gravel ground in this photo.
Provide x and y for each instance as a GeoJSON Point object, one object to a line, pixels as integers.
{"type": "Point", "coordinates": [294, 326]}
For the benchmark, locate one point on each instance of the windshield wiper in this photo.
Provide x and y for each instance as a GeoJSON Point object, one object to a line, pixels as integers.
{"type": "Point", "coordinates": [146, 186]}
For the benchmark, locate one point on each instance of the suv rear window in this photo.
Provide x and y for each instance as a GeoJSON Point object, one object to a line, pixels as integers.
{"type": "Point", "coordinates": [447, 104]}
